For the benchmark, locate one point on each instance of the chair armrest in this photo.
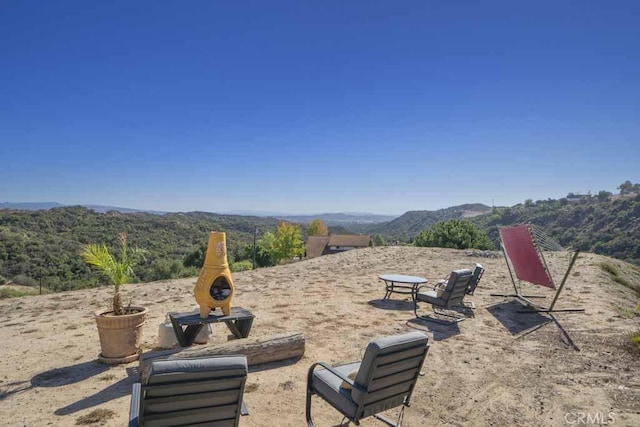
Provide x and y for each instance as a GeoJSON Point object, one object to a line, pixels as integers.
{"type": "Point", "coordinates": [422, 286]}
{"type": "Point", "coordinates": [134, 408]}
{"type": "Point", "coordinates": [444, 280]}
{"type": "Point", "coordinates": [336, 373]}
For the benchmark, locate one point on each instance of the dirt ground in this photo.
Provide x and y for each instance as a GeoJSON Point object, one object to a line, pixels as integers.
{"type": "Point", "coordinates": [497, 368]}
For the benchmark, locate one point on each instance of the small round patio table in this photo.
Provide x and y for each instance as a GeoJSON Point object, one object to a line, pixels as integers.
{"type": "Point", "coordinates": [401, 284]}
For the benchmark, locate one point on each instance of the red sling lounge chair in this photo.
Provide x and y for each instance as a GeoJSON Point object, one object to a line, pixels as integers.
{"type": "Point", "coordinates": [523, 247]}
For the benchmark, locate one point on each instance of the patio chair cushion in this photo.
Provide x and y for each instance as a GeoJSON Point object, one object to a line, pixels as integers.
{"type": "Point", "coordinates": [352, 377]}
{"type": "Point", "coordinates": [328, 385]}
{"type": "Point", "coordinates": [190, 391]}
{"type": "Point", "coordinates": [187, 372]}
{"type": "Point", "coordinates": [377, 350]}
{"type": "Point", "coordinates": [440, 287]}
{"type": "Point", "coordinates": [432, 297]}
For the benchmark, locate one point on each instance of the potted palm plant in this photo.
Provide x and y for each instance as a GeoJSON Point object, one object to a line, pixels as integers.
{"type": "Point", "coordinates": [120, 327]}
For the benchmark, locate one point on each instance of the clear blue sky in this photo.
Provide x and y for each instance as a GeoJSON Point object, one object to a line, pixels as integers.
{"type": "Point", "coordinates": [316, 106]}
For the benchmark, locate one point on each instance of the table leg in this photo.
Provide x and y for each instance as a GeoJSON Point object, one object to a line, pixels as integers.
{"type": "Point", "coordinates": [185, 336]}
{"type": "Point", "coordinates": [389, 289]}
{"type": "Point", "coordinates": [232, 327]}
{"type": "Point", "coordinates": [191, 332]}
{"type": "Point", "coordinates": [240, 328]}
{"type": "Point", "coordinates": [244, 326]}
{"type": "Point", "coordinates": [414, 291]}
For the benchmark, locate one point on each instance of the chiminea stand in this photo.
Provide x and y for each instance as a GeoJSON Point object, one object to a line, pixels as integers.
{"type": "Point", "coordinates": [239, 323]}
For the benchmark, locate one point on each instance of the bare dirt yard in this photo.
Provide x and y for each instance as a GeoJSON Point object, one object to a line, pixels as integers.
{"type": "Point", "coordinates": [497, 368]}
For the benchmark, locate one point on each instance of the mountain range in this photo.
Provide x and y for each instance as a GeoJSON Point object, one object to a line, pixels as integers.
{"type": "Point", "coordinates": [38, 206]}
{"type": "Point", "coordinates": [409, 224]}
{"type": "Point", "coordinates": [340, 218]}
{"type": "Point", "coordinates": [43, 240]}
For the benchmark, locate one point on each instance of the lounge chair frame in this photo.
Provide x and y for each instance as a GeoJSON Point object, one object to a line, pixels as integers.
{"type": "Point", "coordinates": [507, 245]}
{"type": "Point", "coordinates": [413, 354]}
{"type": "Point", "coordinates": [456, 288]}
{"type": "Point", "coordinates": [218, 393]}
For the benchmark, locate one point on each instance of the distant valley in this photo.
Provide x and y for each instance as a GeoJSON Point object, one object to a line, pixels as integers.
{"type": "Point", "coordinates": [328, 218]}
{"type": "Point", "coordinates": [42, 241]}
{"type": "Point", "coordinates": [36, 206]}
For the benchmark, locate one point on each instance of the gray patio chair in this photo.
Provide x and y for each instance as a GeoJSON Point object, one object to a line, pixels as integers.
{"type": "Point", "coordinates": [384, 379]}
{"type": "Point", "coordinates": [182, 392]}
{"type": "Point", "coordinates": [478, 271]}
{"type": "Point", "coordinates": [447, 299]}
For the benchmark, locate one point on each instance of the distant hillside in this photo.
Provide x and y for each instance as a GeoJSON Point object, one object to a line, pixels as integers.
{"type": "Point", "coordinates": [30, 206]}
{"type": "Point", "coordinates": [327, 218]}
{"type": "Point", "coordinates": [46, 243]}
{"type": "Point", "coordinates": [37, 206]}
{"type": "Point", "coordinates": [408, 225]}
{"type": "Point", "coordinates": [339, 218]}
{"type": "Point", "coordinates": [605, 224]}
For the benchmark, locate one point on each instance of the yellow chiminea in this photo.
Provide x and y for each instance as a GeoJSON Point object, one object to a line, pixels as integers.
{"type": "Point", "coordinates": [214, 287]}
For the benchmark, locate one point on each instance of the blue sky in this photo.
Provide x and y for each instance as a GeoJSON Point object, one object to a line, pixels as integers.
{"type": "Point", "coordinates": [316, 106]}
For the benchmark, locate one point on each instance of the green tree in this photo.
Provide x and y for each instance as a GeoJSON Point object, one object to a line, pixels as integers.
{"type": "Point", "coordinates": [196, 258]}
{"type": "Point", "coordinates": [162, 269]}
{"type": "Point", "coordinates": [317, 228]}
{"type": "Point", "coordinates": [603, 195]}
{"type": "Point", "coordinates": [626, 187]}
{"type": "Point", "coordinates": [118, 270]}
{"type": "Point", "coordinates": [287, 242]}
{"type": "Point", "coordinates": [241, 266]}
{"type": "Point", "coordinates": [264, 250]}
{"type": "Point", "coordinates": [455, 233]}
{"type": "Point", "coordinates": [378, 240]}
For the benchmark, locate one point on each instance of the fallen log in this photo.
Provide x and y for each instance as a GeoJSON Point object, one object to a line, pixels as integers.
{"type": "Point", "coordinates": [258, 351]}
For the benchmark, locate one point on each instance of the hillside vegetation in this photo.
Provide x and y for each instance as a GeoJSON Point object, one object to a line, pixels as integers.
{"type": "Point", "coordinates": [411, 223]}
{"type": "Point", "coordinates": [45, 245]}
{"type": "Point", "coordinates": [603, 225]}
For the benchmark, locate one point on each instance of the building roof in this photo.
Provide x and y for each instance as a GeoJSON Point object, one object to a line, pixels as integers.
{"type": "Point", "coordinates": [315, 245]}
{"type": "Point", "coordinates": [354, 240]}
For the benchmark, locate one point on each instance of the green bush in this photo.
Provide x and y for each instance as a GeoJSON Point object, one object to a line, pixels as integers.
{"type": "Point", "coordinates": [455, 234]}
{"type": "Point", "coordinates": [196, 257]}
{"type": "Point", "coordinates": [241, 266]}
{"type": "Point", "coordinates": [23, 279]}
{"type": "Point", "coordinates": [617, 277]}
{"type": "Point", "coordinates": [378, 240]}
{"type": "Point", "coordinates": [12, 293]}
{"type": "Point", "coordinates": [163, 269]}
{"type": "Point", "coordinates": [635, 339]}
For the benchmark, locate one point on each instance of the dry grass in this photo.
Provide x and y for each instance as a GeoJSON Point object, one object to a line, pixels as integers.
{"type": "Point", "coordinates": [491, 369]}
{"type": "Point", "coordinates": [95, 416]}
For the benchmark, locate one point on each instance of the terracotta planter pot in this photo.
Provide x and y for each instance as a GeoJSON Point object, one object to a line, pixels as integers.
{"type": "Point", "coordinates": [120, 336]}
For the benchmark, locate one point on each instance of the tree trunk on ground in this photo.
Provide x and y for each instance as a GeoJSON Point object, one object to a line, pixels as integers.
{"type": "Point", "coordinates": [258, 351]}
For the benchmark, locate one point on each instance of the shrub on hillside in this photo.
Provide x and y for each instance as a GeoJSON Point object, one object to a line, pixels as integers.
{"type": "Point", "coordinates": [12, 293]}
{"type": "Point", "coordinates": [23, 279]}
{"type": "Point", "coordinates": [163, 269]}
{"type": "Point", "coordinates": [378, 240]}
{"type": "Point", "coordinates": [455, 234]}
{"type": "Point", "coordinates": [241, 266]}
